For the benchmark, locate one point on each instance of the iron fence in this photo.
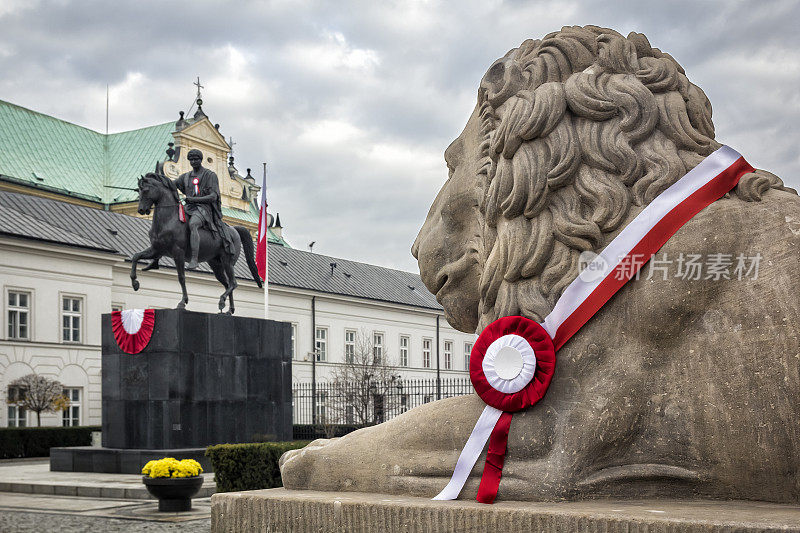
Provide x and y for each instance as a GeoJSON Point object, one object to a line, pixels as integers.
{"type": "Point", "coordinates": [356, 405]}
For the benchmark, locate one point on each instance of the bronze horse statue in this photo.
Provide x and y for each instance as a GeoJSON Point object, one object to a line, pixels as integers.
{"type": "Point", "coordinates": [169, 236]}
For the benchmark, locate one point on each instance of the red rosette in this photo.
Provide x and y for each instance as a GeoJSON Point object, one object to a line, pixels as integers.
{"type": "Point", "coordinates": [512, 327]}
{"type": "Point", "coordinates": [135, 341]}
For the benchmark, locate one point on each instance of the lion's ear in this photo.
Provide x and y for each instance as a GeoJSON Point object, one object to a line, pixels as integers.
{"type": "Point", "coordinates": [502, 81]}
{"type": "Point", "coordinates": [616, 54]}
{"type": "Point", "coordinates": [642, 45]}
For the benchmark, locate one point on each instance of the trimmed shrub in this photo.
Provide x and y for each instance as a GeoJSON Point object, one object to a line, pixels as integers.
{"type": "Point", "coordinates": [37, 441]}
{"type": "Point", "coordinates": [249, 466]}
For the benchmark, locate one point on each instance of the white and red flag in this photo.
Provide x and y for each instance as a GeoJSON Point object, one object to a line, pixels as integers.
{"type": "Point", "coordinates": [263, 223]}
{"type": "Point", "coordinates": [261, 247]}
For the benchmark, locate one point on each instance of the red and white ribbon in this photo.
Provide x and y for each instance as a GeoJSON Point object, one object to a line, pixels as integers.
{"type": "Point", "coordinates": [133, 328]}
{"type": "Point", "coordinates": [498, 374]}
{"type": "Point", "coordinates": [196, 186]}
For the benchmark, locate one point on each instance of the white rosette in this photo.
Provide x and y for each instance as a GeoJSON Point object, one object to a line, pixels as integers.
{"type": "Point", "coordinates": [509, 364]}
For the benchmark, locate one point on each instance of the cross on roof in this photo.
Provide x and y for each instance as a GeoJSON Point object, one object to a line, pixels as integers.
{"type": "Point", "coordinates": [197, 84]}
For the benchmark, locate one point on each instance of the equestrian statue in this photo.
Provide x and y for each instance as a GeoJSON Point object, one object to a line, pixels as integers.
{"type": "Point", "coordinates": [195, 231]}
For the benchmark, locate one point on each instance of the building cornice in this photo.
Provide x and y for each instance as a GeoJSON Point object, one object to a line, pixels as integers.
{"type": "Point", "coordinates": [12, 184]}
{"type": "Point", "coordinates": [40, 344]}
{"type": "Point", "coordinates": [28, 243]}
{"type": "Point", "coordinates": [346, 297]}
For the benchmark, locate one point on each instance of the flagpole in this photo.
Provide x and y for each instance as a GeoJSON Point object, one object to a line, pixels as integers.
{"type": "Point", "coordinates": [266, 250]}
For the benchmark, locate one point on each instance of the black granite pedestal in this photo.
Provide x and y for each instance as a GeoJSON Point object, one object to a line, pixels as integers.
{"type": "Point", "coordinates": [203, 379]}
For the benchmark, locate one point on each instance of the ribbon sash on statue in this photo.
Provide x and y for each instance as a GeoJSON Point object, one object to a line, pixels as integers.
{"type": "Point", "coordinates": [619, 261]}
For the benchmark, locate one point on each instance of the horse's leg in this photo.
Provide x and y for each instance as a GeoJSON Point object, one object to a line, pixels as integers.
{"type": "Point", "coordinates": [179, 258]}
{"type": "Point", "coordinates": [219, 273]}
{"type": "Point", "coordinates": [153, 264]}
{"type": "Point", "coordinates": [229, 266]}
{"type": "Point", "coordinates": [231, 287]}
{"type": "Point", "coordinates": [148, 253]}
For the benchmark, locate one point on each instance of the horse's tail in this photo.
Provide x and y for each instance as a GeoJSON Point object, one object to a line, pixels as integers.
{"type": "Point", "coordinates": [249, 252]}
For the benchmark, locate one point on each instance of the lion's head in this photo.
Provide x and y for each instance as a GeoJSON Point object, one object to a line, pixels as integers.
{"type": "Point", "coordinates": [572, 134]}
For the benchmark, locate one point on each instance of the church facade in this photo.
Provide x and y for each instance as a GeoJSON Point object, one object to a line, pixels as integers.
{"type": "Point", "coordinates": [57, 277]}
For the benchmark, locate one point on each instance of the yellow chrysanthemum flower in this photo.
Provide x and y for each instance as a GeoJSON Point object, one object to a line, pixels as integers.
{"type": "Point", "coordinates": [171, 467]}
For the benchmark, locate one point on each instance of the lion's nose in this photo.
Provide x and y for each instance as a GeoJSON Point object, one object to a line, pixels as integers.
{"type": "Point", "coordinates": [415, 246]}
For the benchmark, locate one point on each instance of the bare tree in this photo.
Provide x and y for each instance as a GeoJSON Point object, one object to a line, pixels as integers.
{"type": "Point", "coordinates": [363, 388]}
{"type": "Point", "coordinates": [38, 394]}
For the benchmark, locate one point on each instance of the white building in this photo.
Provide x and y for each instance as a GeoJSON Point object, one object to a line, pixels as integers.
{"type": "Point", "coordinates": [64, 262]}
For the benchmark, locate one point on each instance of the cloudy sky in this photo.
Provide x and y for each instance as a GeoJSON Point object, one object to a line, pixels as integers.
{"type": "Point", "coordinates": [352, 104]}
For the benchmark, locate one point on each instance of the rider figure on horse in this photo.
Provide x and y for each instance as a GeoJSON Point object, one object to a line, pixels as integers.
{"type": "Point", "coordinates": [219, 246]}
{"type": "Point", "coordinates": [203, 205]}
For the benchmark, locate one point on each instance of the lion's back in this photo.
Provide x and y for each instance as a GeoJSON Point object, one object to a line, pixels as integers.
{"type": "Point", "coordinates": [702, 374]}
{"type": "Point", "coordinates": [725, 386]}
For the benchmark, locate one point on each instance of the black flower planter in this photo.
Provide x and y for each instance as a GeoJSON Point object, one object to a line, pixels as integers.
{"type": "Point", "coordinates": [174, 493]}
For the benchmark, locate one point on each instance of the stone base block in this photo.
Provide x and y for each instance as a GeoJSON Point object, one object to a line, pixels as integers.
{"type": "Point", "coordinates": [281, 510]}
{"type": "Point", "coordinates": [117, 460]}
{"type": "Point", "coordinates": [203, 379]}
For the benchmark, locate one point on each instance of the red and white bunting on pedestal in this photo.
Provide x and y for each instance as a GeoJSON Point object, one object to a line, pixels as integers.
{"type": "Point", "coordinates": [133, 328]}
{"type": "Point", "coordinates": [513, 360]}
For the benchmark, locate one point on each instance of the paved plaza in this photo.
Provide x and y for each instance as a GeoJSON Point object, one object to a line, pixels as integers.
{"type": "Point", "coordinates": [34, 499]}
{"type": "Point", "coordinates": [34, 476]}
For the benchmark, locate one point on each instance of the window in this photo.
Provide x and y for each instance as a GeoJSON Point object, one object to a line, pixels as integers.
{"type": "Point", "coordinates": [448, 355]}
{"type": "Point", "coordinates": [349, 345]}
{"type": "Point", "coordinates": [321, 347]}
{"type": "Point", "coordinates": [19, 308]}
{"type": "Point", "coordinates": [71, 318]}
{"type": "Point", "coordinates": [426, 353]}
{"type": "Point", "coordinates": [17, 415]}
{"type": "Point", "coordinates": [294, 341]}
{"type": "Point", "coordinates": [404, 343]}
{"type": "Point", "coordinates": [71, 416]}
{"type": "Point", "coordinates": [377, 347]}
{"type": "Point", "coordinates": [467, 352]}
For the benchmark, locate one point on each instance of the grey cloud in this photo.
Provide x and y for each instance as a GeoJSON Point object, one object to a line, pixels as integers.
{"type": "Point", "coordinates": [413, 92]}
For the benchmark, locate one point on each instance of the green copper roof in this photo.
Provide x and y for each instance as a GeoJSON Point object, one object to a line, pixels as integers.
{"type": "Point", "coordinates": [41, 151]}
{"type": "Point", "coordinates": [132, 154]}
{"type": "Point", "coordinates": [48, 153]}
{"type": "Point", "coordinates": [44, 152]}
{"type": "Point", "coordinates": [252, 216]}
{"type": "Point", "coordinates": [271, 237]}
{"type": "Point", "coordinates": [247, 216]}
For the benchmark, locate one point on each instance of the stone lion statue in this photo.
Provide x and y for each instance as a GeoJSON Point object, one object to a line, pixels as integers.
{"type": "Point", "coordinates": [678, 387]}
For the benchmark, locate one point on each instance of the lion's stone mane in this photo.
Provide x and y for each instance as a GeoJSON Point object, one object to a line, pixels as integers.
{"type": "Point", "coordinates": [579, 129]}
